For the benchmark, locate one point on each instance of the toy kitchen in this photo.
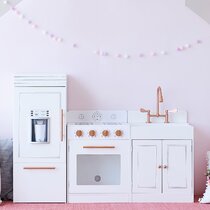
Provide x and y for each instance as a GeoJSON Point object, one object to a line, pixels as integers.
{"type": "Point", "coordinates": [96, 155]}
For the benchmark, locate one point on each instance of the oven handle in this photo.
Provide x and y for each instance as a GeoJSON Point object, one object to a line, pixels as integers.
{"type": "Point", "coordinates": [39, 168]}
{"type": "Point", "coordinates": [98, 147]}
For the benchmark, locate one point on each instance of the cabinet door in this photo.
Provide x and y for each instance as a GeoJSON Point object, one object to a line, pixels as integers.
{"type": "Point", "coordinates": [177, 159]}
{"type": "Point", "coordinates": [40, 100]}
{"type": "Point", "coordinates": [39, 182]}
{"type": "Point", "coordinates": [146, 162]}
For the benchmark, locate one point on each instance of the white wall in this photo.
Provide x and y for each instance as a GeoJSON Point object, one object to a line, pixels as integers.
{"type": "Point", "coordinates": [110, 83]}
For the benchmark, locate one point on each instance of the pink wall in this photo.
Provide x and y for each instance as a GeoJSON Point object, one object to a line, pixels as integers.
{"type": "Point", "coordinates": [111, 83]}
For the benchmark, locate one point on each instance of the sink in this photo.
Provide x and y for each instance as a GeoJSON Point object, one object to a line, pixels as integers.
{"type": "Point", "coordinates": [174, 117]}
{"type": "Point", "coordinates": [178, 128]}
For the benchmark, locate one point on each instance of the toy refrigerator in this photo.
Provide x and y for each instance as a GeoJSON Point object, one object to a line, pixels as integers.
{"type": "Point", "coordinates": [39, 138]}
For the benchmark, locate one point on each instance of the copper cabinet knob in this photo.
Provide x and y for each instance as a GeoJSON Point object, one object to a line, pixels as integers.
{"type": "Point", "coordinates": [159, 166]}
{"type": "Point", "coordinates": [118, 133]}
{"type": "Point", "coordinates": [92, 133]}
{"type": "Point", "coordinates": [79, 133]}
{"type": "Point", "coordinates": [165, 166]}
{"type": "Point", "coordinates": [105, 133]}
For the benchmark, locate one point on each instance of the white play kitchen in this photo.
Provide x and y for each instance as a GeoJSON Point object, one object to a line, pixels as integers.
{"type": "Point", "coordinates": [97, 155]}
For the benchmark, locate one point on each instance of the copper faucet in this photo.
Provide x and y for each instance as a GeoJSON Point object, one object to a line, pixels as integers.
{"type": "Point", "coordinates": [158, 114]}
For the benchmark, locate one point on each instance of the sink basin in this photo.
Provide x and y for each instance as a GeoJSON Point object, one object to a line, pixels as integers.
{"type": "Point", "coordinates": [139, 117]}
{"type": "Point", "coordinates": [161, 131]}
{"type": "Point", "coordinates": [178, 128]}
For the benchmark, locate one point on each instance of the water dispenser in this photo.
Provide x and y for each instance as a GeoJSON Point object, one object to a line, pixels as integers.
{"type": "Point", "coordinates": [40, 126]}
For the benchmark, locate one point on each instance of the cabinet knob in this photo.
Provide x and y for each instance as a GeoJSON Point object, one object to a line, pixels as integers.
{"type": "Point", "coordinates": [165, 166]}
{"type": "Point", "coordinates": [92, 133]}
{"type": "Point", "coordinates": [159, 166]}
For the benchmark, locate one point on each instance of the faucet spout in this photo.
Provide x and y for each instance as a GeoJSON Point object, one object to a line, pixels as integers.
{"type": "Point", "coordinates": [160, 95]}
{"type": "Point", "coordinates": [159, 100]}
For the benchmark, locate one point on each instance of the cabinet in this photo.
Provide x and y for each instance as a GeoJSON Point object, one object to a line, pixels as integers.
{"type": "Point", "coordinates": [163, 160]}
{"type": "Point", "coordinates": [39, 138]}
{"type": "Point", "coordinates": [162, 170]}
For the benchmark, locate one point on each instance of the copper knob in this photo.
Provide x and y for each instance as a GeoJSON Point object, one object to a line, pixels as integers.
{"type": "Point", "coordinates": [118, 133]}
{"type": "Point", "coordinates": [79, 133]}
{"type": "Point", "coordinates": [105, 133]}
{"type": "Point", "coordinates": [92, 133]}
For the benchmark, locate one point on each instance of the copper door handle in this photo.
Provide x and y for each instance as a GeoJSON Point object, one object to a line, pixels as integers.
{"type": "Point", "coordinates": [39, 168]}
{"type": "Point", "coordinates": [98, 147]}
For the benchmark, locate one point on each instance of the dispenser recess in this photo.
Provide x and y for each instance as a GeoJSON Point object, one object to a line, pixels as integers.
{"type": "Point", "coordinates": [40, 126]}
{"type": "Point", "coordinates": [40, 130]}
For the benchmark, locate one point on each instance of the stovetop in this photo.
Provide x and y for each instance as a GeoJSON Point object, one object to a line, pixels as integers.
{"type": "Point", "coordinates": [94, 125]}
{"type": "Point", "coordinates": [97, 116]}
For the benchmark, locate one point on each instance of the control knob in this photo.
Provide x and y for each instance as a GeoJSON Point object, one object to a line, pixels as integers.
{"type": "Point", "coordinates": [118, 133]}
{"type": "Point", "coordinates": [78, 133]}
{"type": "Point", "coordinates": [92, 133]}
{"type": "Point", "coordinates": [105, 133]}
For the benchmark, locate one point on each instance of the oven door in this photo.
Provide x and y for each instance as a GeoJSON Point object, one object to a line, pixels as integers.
{"type": "Point", "coordinates": [99, 166]}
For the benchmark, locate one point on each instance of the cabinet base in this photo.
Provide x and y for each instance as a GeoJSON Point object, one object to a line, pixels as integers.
{"type": "Point", "coordinates": [154, 198]}
{"type": "Point", "coordinates": [99, 198]}
{"type": "Point", "coordinates": [127, 198]}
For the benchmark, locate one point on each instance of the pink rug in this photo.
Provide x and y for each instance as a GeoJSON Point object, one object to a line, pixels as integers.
{"type": "Point", "coordinates": [107, 206]}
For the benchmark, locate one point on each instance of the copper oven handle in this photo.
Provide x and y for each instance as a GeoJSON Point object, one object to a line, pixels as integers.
{"type": "Point", "coordinates": [98, 147]}
{"type": "Point", "coordinates": [61, 124]}
{"type": "Point", "coordinates": [39, 168]}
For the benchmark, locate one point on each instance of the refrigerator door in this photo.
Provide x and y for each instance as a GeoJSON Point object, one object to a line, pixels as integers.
{"type": "Point", "coordinates": [40, 123]}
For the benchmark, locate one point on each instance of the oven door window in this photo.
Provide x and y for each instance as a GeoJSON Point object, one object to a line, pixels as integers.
{"type": "Point", "coordinates": [98, 169]}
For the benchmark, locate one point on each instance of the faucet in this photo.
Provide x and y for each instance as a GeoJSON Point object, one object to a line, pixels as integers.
{"type": "Point", "coordinates": [158, 114]}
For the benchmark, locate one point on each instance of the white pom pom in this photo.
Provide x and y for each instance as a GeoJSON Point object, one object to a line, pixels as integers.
{"type": "Point", "coordinates": [188, 45]}
{"type": "Point", "coordinates": [119, 55]}
{"type": "Point", "coordinates": [126, 56]}
{"type": "Point", "coordinates": [153, 54]}
{"type": "Point", "coordinates": [97, 52]}
{"type": "Point", "coordinates": [45, 32]}
{"type": "Point", "coordinates": [104, 53]}
{"type": "Point", "coordinates": [6, 2]}
{"type": "Point", "coordinates": [75, 45]}
{"type": "Point", "coordinates": [59, 39]}
{"type": "Point", "coordinates": [199, 41]}
{"type": "Point", "coordinates": [163, 52]}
